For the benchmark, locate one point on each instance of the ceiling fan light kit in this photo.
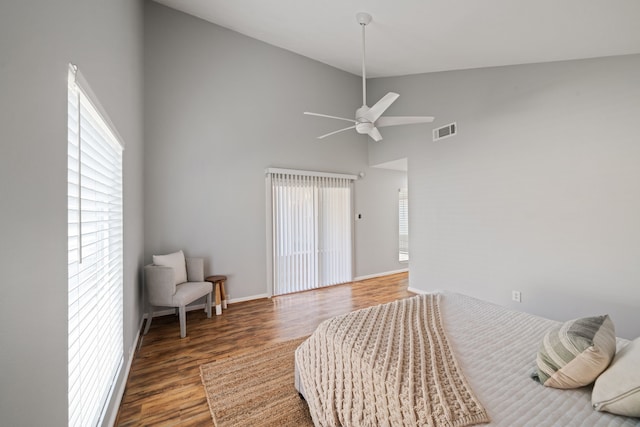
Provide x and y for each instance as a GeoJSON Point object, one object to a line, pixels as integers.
{"type": "Point", "coordinates": [369, 119]}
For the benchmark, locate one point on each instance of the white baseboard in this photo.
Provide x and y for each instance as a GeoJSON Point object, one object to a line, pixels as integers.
{"type": "Point", "coordinates": [386, 273]}
{"type": "Point", "coordinates": [417, 291]}
{"type": "Point", "coordinates": [125, 378]}
{"type": "Point", "coordinates": [168, 311]}
{"type": "Point", "coordinates": [249, 298]}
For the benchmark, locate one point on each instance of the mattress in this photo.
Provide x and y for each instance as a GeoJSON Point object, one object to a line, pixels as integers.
{"type": "Point", "coordinates": [496, 348]}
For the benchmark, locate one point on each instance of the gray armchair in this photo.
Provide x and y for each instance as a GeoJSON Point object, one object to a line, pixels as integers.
{"type": "Point", "coordinates": [175, 281]}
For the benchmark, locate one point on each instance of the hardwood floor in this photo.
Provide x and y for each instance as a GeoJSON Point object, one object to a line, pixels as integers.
{"type": "Point", "coordinates": [164, 387]}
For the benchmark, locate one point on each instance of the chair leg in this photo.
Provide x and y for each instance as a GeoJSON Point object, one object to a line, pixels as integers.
{"type": "Point", "coordinates": [209, 304]}
{"type": "Point", "coordinates": [149, 319]}
{"type": "Point", "coordinates": [183, 321]}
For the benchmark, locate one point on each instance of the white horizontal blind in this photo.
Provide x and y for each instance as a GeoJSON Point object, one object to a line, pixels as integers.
{"type": "Point", "coordinates": [403, 224]}
{"type": "Point", "coordinates": [312, 244]}
{"type": "Point", "coordinates": [95, 251]}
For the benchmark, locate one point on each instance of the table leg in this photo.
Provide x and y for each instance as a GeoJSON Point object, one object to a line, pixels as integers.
{"type": "Point", "coordinates": [224, 295]}
{"type": "Point", "coordinates": [218, 302]}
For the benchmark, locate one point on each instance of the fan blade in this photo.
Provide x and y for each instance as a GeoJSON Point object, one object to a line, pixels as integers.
{"type": "Point", "coordinates": [329, 117]}
{"type": "Point", "coordinates": [374, 133]}
{"type": "Point", "coordinates": [336, 131]}
{"type": "Point", "coordinates": [398, 120]}
{"type": "Point", "coordinates": [379, 107]}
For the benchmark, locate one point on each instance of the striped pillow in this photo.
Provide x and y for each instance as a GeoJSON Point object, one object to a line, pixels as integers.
{"type": "Point", "coordinates": [574, 354]}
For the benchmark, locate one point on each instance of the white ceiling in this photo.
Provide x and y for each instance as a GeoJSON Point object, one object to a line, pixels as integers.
{"type": "Point", "coordinates": [417, 36]}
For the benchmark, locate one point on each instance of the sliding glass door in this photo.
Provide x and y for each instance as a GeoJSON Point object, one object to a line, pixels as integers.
{"type": "Point", "coordinates": [311, 230]}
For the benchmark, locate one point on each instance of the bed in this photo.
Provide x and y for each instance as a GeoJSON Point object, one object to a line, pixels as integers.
{"type": "Point", "coordinates": [495, 350]}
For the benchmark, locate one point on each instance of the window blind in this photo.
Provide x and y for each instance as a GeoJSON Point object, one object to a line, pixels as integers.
{"type": "Point", "coordinates": [95, 252]}
{"type": "Point", "coordinates": [311, 230]}
{"type": "Point", "coordinates": [403, 225]}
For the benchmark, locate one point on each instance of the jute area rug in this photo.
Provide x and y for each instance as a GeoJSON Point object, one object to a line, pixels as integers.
{"type": "Point", "coordinates": [255, 388]}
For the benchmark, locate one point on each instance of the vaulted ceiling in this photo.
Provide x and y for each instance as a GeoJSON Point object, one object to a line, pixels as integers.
{"type": "Point", "coordinates": [417, 36]}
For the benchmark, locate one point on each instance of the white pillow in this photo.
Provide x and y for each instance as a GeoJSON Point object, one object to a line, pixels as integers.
{"type": "Point", "coordinates": [617, 390]}
{"type": "Point", "coordinates": [177, 262]}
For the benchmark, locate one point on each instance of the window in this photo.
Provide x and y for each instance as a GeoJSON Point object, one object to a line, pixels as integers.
{"type": "Point", "coordinates": [403, 225]}
{"type": "Point", "coordinates": [95, 311]}
{"type": "Point", "coordinates": [311, 230]}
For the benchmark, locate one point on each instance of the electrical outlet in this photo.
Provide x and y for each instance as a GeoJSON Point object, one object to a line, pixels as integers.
{"type": "Point", "coordinates": [516, 296]}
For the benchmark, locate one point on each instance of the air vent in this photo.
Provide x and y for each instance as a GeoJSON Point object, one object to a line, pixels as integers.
{"type": "Point", "coordinates": [445, 131]}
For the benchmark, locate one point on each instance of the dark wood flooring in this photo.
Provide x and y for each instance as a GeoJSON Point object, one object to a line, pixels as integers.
{"type": "Point", "coordinates": [164, 387]}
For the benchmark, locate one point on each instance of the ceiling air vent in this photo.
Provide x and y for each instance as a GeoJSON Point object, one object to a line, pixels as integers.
{"type": "Point", "coordinates": [445, 131]}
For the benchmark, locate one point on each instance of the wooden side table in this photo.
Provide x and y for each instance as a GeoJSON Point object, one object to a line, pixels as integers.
{"type": "Point", "coordinates": [221, 295]}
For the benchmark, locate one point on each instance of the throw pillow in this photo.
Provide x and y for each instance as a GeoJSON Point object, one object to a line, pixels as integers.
{"type": "Point", "coordinates": [573, 354]}
{"type": "Point", "coordinates": [177, 262]}
{"type": "Point", "coordinates": [617, 390]}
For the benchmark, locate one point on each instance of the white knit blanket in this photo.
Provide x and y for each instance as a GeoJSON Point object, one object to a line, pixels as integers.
{"type": "Point", "coordinates": [389, 365]}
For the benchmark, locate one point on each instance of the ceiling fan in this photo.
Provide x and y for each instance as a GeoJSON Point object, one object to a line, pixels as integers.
{"type": "Point", "coordinates": [369, 119]}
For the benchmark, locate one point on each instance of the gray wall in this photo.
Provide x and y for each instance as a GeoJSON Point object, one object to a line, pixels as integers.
{"type": "Point", "coordinates": [539, 192]}
{"type": "Point", "coordinates": [377, 230]}
{"type": "Point", "coordinates": [219, 109]}
{"type": "Point", "coordinates": [37, 41]}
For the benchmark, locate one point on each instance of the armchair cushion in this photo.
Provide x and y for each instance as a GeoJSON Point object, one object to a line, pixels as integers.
{"type": "Point", "coordinates": [177, 262]}
{"type": "Point", "coordinates": [195, 269]}
{"type": "Point", "coordinates": [190, 291]}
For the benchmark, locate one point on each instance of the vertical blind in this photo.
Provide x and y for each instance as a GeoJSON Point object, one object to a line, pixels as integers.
{"type": "Point", "coordinates": [95, 251]}
{"type": "Point", "coordinates": [403, 224]}
{"type": "Point", "coordinates": [311, 231]}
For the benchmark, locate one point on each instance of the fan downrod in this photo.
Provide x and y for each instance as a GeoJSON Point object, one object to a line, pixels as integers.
{"type": "Point", "coordinates": [367, 119]}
